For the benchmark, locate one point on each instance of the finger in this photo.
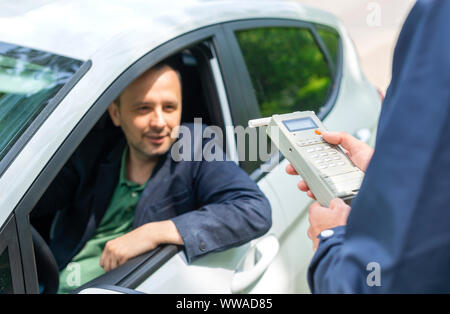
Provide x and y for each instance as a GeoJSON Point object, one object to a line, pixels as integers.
{"type": "Point", "coordinates": [344, 139]}
{"type": "Point", "coordinates": [290, 170]}
{"type": "Point", "coordinates": [106, 263]}
{"type": "Point", "coordinates": [315, 244]}
{"type": "Point", "coordinates": [336, 138]}
{"type": "Point", "coordinates": [309, 233]}
{"type": "Point", "coordinates": [303, 186]}
{"type": "Point", "coordinates": [311, 195]}
{"type": "Point", "coordinates": [106, 260]}
{"type": "Point", "coordinates": [114, 263]}
{"type": "Point", "coordinates": [102, 260]}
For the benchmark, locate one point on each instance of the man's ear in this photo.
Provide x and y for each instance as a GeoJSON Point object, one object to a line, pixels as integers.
{"type": "Point", "coordinates": [113, 111]}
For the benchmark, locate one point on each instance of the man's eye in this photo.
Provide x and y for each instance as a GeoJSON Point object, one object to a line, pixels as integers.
{"type": "Point", "coordinates": [170, 107]}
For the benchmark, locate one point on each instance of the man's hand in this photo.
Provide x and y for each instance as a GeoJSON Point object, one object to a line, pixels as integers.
{"type": "Point", "coordinates": [137, 242]}
{"type": "Point", "coordinates": [359, 152]}
{"type": "Point", "coordinates": [322, 218]}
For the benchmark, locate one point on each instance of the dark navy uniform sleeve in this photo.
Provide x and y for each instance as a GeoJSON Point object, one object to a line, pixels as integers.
{"type": "Point", "coordinates": [401, 217]}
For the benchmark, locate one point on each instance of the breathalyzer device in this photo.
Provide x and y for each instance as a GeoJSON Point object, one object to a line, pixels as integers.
{"type": "Point", "coordinates": [326, 169]}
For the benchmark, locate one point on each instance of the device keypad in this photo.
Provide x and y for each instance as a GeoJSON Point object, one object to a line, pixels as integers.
{"type": "Point", "coordinates": [323, 155]}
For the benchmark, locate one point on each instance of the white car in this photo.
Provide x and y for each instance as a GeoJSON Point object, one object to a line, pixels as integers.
{"type": "Point", "coordinates": [63, 62]}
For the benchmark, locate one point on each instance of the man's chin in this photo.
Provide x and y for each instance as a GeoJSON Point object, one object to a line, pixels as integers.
{"type": "Point", "coordinates": [158, 150]}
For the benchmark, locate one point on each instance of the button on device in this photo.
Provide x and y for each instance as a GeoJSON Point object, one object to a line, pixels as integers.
{"type": "Point", "coordinates": [318, 132]}
{"type": "Point", "coordinates": [319, 148]}
{"type": "Point", "coordinates": [327, 233]}
{"type": "Point", "coordinates": [310, 150]}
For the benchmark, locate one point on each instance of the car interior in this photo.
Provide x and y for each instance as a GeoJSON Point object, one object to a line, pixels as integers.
{"type": "Point", "coordinates": [200, 100]}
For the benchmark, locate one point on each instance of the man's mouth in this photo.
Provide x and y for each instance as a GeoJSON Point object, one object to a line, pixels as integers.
{"type": "Point", "coordinates": [156, 139]}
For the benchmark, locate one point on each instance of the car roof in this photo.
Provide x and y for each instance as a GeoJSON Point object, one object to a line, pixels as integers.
{"type": "Point", "coordinates": [79, 28]}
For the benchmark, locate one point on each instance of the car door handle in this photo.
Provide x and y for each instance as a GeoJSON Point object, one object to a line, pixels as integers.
{"type": "Point", "coordinates": [255, 262]}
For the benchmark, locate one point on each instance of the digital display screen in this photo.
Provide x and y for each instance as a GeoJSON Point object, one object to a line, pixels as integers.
{"type": "Point", "coordinates": [300, 124]}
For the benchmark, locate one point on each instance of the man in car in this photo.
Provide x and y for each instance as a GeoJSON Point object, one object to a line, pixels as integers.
{"type": "Point", "coordinates": [396, 237]}
{"type": "Point", "coordinates": [121, 196]}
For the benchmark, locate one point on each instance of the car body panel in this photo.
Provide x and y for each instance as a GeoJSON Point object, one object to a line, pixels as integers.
{"type": "Point", "coordinates": [106, 26]}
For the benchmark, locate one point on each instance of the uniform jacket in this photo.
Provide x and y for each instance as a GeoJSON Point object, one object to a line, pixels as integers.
{"type": "Point", "coordinates": [397, 237]}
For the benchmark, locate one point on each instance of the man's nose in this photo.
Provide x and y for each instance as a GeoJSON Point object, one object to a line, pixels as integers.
{"type": "Point", "coordinates": [157, 120]}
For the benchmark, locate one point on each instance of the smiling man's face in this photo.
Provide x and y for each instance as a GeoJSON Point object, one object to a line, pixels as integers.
{"type": "Point", "coordinates": [149, 109]}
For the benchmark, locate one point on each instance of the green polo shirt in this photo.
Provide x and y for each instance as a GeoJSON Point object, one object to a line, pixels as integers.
{"type": "Point", "coordinates": [117, 221]}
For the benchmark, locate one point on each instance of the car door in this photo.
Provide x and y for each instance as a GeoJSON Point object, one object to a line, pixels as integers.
{"type": "Point", "coordinates": [32, 84]}
{"type": "Point", "coordinates": [163, 269]}
{"type": "Point", "coordinates": [287, 66]}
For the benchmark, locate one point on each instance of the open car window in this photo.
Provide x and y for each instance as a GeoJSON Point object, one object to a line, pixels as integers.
{"type": "Point", "coordinates": [199, 101]}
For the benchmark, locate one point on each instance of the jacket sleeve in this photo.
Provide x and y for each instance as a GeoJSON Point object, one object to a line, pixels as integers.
{"type": "Point", "coordinates": [397, 234]}
{"type": "Point", "coordinates": [232, 210]}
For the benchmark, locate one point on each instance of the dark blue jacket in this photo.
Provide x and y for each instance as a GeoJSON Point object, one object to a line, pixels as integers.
{"type": "Point", "coordinates": [401, 217]}
{"type": "Point", "coordinates": [214, 204]}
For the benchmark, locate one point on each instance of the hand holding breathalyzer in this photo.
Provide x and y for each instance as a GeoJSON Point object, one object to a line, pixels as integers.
{"type": "Point", "coordinates": [359, 152]}
{"type": "Point", "coordinates": [332, 163]}
{"type": "Point", "coordinates": [327, 168]}
{"type": "Point", "coordinates": [323, 218]}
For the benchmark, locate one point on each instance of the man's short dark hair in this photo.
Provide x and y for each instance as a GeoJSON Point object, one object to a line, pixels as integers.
{"type": "Point", "coordinates": [157, 67]}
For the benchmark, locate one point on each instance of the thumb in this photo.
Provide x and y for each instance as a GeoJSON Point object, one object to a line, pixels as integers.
{"type": "Point", "coordinates": [347, 141]}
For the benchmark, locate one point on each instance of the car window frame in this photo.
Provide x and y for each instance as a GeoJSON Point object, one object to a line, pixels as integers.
{"type": "Point", "coordinates": [9, 241]}
{"type": "Point", "coordinates": [215, 34]}
{"type": "Point", "coordinates": [243, 79]}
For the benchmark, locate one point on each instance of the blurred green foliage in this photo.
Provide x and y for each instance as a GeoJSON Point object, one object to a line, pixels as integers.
{"type": "Point", "coordinates": [331, 40]}
{"type": "Point", "coordinates": [288, 70]}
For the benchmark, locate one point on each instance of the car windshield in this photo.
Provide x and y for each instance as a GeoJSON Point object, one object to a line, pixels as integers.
{"type": "Point", "coordinates": [29, 79]}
